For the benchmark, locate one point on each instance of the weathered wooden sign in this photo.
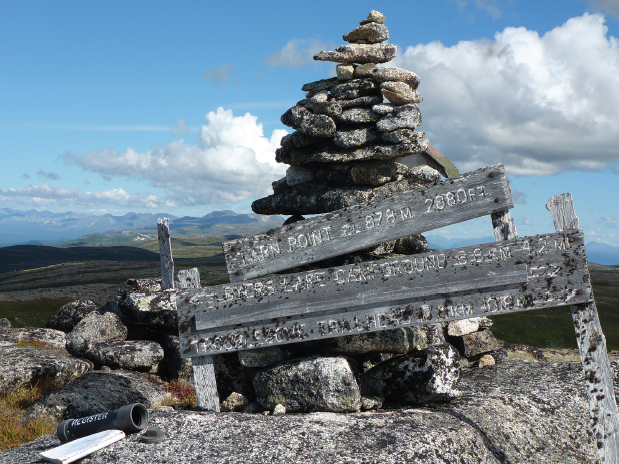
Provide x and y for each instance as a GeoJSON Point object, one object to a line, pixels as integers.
{"type": "Point", "coordinates": [509, 276]}
{"type": "Point", "coordinates": [458, 199]}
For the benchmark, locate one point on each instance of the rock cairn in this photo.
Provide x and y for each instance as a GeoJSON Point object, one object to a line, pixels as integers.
{"type": "Point", "coordinates": [350, 145]}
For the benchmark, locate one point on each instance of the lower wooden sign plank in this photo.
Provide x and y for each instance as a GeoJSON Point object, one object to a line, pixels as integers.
{"type": "Point", "coordinates": [454, 200]}
{"type": "Point", "coordinates": [274, 309]}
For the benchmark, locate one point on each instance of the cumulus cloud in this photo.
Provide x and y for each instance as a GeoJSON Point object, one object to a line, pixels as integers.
{"type": "Point", "coordinates": [232, 162]}
{"type": "Point", "coordinates": [219, 76]}
{"type": "Point", "coordinates": [44, 196]}
{"type": "Point", "coordinates": [541, 105]}
{"type": "Point", "coordinates": [47, 175]}
{"type": "Point", "coordinates": [297, 53]}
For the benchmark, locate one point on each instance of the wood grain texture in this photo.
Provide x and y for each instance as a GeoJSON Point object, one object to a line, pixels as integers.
{"type": "Point", "coordinates": [504, 226]}
{"type": "Point", "coordinates": [593, 352]}
{"type": "Point", "coordinates": [189, 278]}
{"type": "Point", "coordinates": [165, 252]}
{"type": "Point", "coordinates": [205, 383]}
{"type": "Point", "coordinates": [385, 294]}
{"type": "Point", "coordinates": [471, 195]}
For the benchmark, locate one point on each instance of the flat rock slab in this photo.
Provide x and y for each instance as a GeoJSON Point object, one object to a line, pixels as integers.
{"type": "Point", "coordinates": [315, 198]}
{"type": "Point", "coordinates": [96, 392]}
{"type": "Point", "coordinates": [513, 413]}
{"type": "Point", "coordinates": [335, 154]}
{"type": "Point", "coordinates": [51, 337]}
{"type": "Point", "coordinates": [359, 53]}
{"type": "Point", "coordinates": [133, 355]}
{"type": "Point", "coordinates": [22, 366]}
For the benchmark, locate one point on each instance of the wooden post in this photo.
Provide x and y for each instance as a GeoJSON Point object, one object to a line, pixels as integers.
{"type": "Point", "coordinates": [593, 353]}
{"type": "Point", "coordinates": [165, 251]}
{"type": "Point", "coordinates": [189, 278]}
{"type": "Point", "coordinates": [504, 226]}
{"type": "Point", "coordinates": [205, 383]}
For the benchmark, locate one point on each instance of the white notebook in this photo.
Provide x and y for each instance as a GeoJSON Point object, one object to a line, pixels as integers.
{"type": "Point", "coordinates": [76, 449]}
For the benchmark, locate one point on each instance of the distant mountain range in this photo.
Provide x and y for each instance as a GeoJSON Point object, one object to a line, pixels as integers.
{"type": "Point", "coordinates": [56, 229]}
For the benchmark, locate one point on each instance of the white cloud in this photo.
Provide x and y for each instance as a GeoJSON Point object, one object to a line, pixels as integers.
{"type": "Point", "coordinates": [608, 222]}
{"type": "Point", "coordinates": [47, 175]}
{"type": "Point", "coordinates": [233, 162]}
{"type": "Point", "coordinates": [541, 105]}
{"type": "Point", "coordinates": [219, 75]}
{"type": "Point", "coordinates": [297, 53]}
{"type": "Point", "coordinates": [44, 196]}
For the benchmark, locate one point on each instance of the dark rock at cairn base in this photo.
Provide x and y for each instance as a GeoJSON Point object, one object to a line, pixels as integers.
{"type": "Point", "coordinates": [359, 53]}
{"type": "Point", "coordinates": [145, 285]}
{"type": "Point", "coordinates": [96, 392]}
{"type": "Point", "coordinates": [411, 245]}
{"type": "Point", "coordinates": [132, 355]}
{"type": "Point", "coordinates": [50, 337]}
{"type": "Point", "coordinates": [262, 357]}
{"type": "Point", "coordinates": [354, 89]}
{"type": "Point", "coordinates": [402, 136]}
{"type": "Point", "coordinates": [5, 323]}
{"type": "Point", "coordinates": [369, 33]}
{"type": "Point", "coordinates": [315, 198]}
{"type": "Point", "coordinates": [314, 125]}
{"type": "Point", "coordinates": [311, 384]}
{"type": "Point", "coordinates": [426, 376]}
{"type": "Point", "coordinates": [67, 317]}
{"type": "Point", "coordinates": [23, 366]}
{"type": "Point", "coordinates": [328, 153]}
{"type": "Point", "coordinates": [95, 328]}
{"type": "Point", "coordinates": [328, 108]}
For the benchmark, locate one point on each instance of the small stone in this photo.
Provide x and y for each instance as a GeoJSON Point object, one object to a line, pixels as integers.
{"type": "Point", "coordinates": [234, 403]}
{"type": "Point", "coordinates": [463, 327]}
{"type": "Point", "coordinates": [369, 33]}
{"type": "Point", "coordinates": [411, 245]}
{"type": "Point", "coordinates": [359, 53]}
{"type": "Point", "coordinates": [403, 117]}
{"type": "Point", "coordinates": [402, 136]}
{"type": "Point", "coordinates": [474, 344]}
{"type": "Point", "coordinates": [314, 125]}
{"type": "Point", "coordinates": [344, 71]}
{"type": "Point", "coordinates": [133, 355]}
{"type": "Point", "coordinates": [361, 102]}
{"type": "Point", "coordinates": [485, 322]}
{"type": "Point", "coordinates": [358, 116]}
{"type": "Point", "coordinates": [399, 93]}
{"type": "Point", "coordinates": [363, 70]}
{"type": "Point", "coordinates": [370, 403]}
{"type": "Point", "coordinates": [279, 410]}
{"type": "Point", "coordinates": [374, 17]}
{"type": "Point", "coordinates": [322, 84]}
{"type": "Point", "coordinates": [296, 175]}
{"type": "Point", "coordinates": [355, 138]}
{"type": "Point", "coordinates": [486, 360]}
{"type": "Point", "coordinates": [384, 108]}
{"type": "Point", "coordinates": [321, 97]}
{"type": "Point", "coordinates": [355, 88]}
{"type": "Point", "coordinates": [383, 74]}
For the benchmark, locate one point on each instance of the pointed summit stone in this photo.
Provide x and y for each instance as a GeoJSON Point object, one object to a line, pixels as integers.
{"type": "Point", "coordinates": [374, 17]}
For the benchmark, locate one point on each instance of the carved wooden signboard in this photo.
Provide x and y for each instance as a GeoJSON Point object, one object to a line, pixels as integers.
{"type": "Point", "coordinates": [516, 275]}
{"type": "Point", "coordinates": [458, 199]}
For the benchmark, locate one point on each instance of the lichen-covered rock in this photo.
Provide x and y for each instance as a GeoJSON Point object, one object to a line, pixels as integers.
{"type": "Point", "coordinates": [67, 317]}
{"type": "Point", "coordinates": [50, 337]}
{"type": "Point", "coordinates": [520, 352]}
{"type": "Point", "coordinates": [296, 175]}
{"type": "Point", "coordinates": [96, 392]}
{"type": "Point", "coordinates": [235, 402]}
{"type": "Point", "coordinates": [403, 117]}
{"type": "Point", "coordinates": [384, 74]}
{"type": "Point", "coordinates": [23, 366]}
{"type": "Point", "coordinates": [328, 108]}
{"type": "Point", "coordinates": [133, 355]}
{"type": "Point", "coordinates": [298, 139]}
{"type": "Point", "coordinates": [374, 17]}
{"type": "Point", "coordinates": [322, 84]}
{"type": "Point", "coordinates": [95, 328]}
{"type": "Point", "coordinates": [368, 33]}
{"type": "Point", "coordinates": [344, 71]}
{"type": "Point", "coordinates": [5, 323]}
{"type": "Point", "coordinates": [150, 309]}
{"type": "Point", "coordinates": [369, 403]}
{"type": "Point", "coordinates": [473, 345]}
{"type": "Point", "coordinates": [385, 341]}
{"type": "Point", "coordinates": [311, 384]}
{"type": "Point", "coordinates": [411, 245]}
{"type": "Point", "coordinates": [362, 102]}
{"type": "Point", "coordinates": [355, 137]}
{"type": "Point", "coordinates": [425, 376]}
{"type": "Point", "coordinates": [354, 89]}
{"type": "Point", "coordinates": [359, 53]}
{"type": "Point", "coordinates": [279, 410]}
{"type": "Point", "coordinates": [314, 125]}
{"type": "Point", "coordinates": [423, 336]}
{"type": "Point", "coordinates": [358, 116]}
{"type": "Point", "coordinates": [335, 154]}
{"type": "Point", "coordinates": [400, 93]}
{"type": "Point", "coordinates": [463, 327]}
{"type": "Point", "coordinates": [402, 136]}
{"type": "Point", "coordinates": [384, 108]}
{"type": "Point", "coordinates": [144, 285]}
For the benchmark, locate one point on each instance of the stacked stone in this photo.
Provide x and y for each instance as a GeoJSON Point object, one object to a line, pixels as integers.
{"type": "Point", "coordinates": [349, 145]}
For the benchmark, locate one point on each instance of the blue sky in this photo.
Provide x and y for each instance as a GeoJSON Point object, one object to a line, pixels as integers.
{"type": "Point", "coordinates": [140, 106]}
